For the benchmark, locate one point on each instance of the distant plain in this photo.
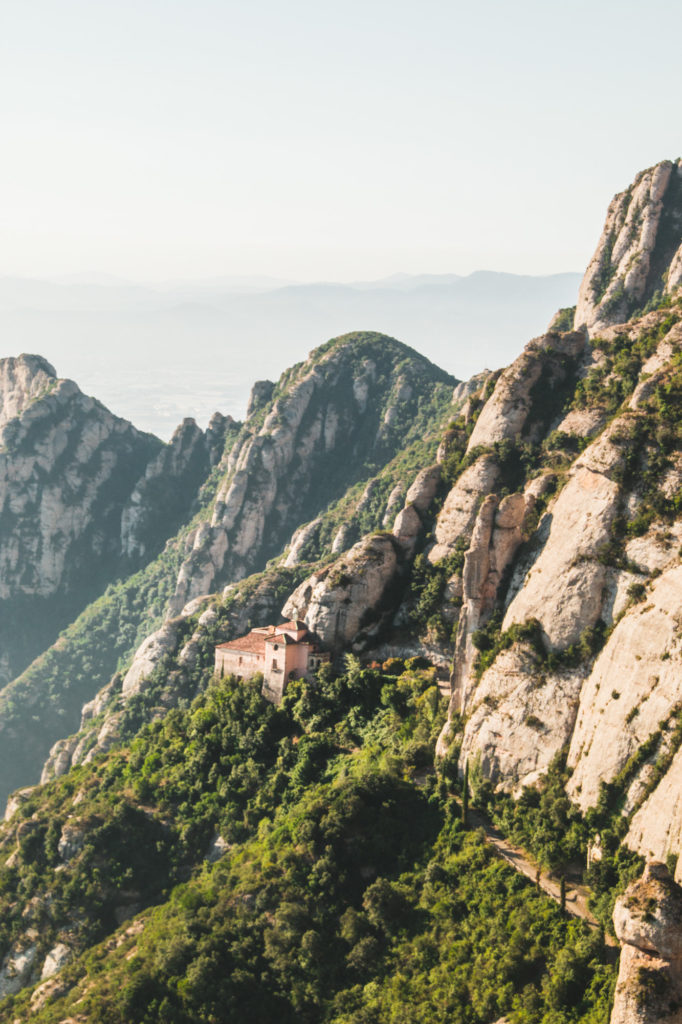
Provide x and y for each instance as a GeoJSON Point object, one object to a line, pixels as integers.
{"type": "Point", "coordinates": [156, 354]}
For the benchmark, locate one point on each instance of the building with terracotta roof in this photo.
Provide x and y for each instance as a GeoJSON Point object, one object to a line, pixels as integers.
{"type": "Point", "coordinates": [280, 652]}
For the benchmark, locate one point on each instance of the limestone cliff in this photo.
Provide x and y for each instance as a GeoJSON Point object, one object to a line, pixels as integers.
{"type": "Point", "coordinates": [594, 579]}
{"type": "Point", "coordinates": [639, 252]}
{"type": "Point", "coordinates": [351, 405]}
{"type": "Point", "coordinates": [339, 604]}
{"type": "Point", "coordinates": [84, 497]}
{"type": "Point", "coordinates": [598, 564]}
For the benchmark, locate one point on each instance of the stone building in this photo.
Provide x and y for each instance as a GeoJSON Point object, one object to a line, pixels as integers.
{"type": "Point", "coordinates": [280, 652]}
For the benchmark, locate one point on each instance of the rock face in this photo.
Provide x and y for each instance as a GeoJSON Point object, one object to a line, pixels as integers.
{"type": "Point", "coordinates": [22, 381]}
{"type": "Point", "coordinates": [57, 958]}
{"type": "Point", "coordinates": [519, 718]}
{"type": "Point", "coordinates": [344, 407]}
{"type": "Point", "coordinates": [301, 540]}
{"type": "Point", "coordinates": [148, 655]}
{"type": "Point", "coordinates": [526, 386]}
{"type": "Point", "coordinates": [496, 536]}
{"type": "Point", "coordinates": [84, 497]}
{"type": "Point", "coordinates": [656, 828]}
{"type": "Point", "coordinates": [410, 521]}
{"type": "Point", "coordinates": [17, 967]}
{"type": "Point", "coordinates": [639, 252]}
{"type": "Point", "coordinates": [634, 685]}
{"type": "Point", "coordinates": [563, 586]}
{"type": "Point", "coordinates": [261, 393]}
{"type": "Point", "coordinates": [163, 497]}
{"type": "Point", "coordinates": [458, 514]}
{"type": "Point", "coordinates": [592, 565]}
{"type": "Point", "coordinates": [338, 602]}
{"type": "Point", "coordinates": [648, 923]}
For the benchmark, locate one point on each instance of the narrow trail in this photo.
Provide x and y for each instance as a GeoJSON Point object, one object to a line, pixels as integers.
{"type": "Point", "coordinates": [577, 895]}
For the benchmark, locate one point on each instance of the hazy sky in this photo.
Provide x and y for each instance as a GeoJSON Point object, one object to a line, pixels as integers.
{"type": "Point", "coordinates": [187, 138]}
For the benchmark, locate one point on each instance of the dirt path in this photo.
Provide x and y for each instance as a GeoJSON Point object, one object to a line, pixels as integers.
{"type": "Point", "coordinates": [576, 895]}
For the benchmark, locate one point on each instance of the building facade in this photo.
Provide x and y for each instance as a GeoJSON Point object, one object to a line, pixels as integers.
{"type": "Point", "coordinates": [281, 653]}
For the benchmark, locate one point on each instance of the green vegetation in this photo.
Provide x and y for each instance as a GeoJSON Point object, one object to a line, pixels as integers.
{"type": "Point", "coordinates": [490, 640]}
{"type": "Point", "coordinates": [565, 319]}
{"type": "Point", "coordinates": [615, 378]}
{"type": "Point", "coordinates": [545, 822]}
{"type": "Point", "coordinates": [44, 703]}
{"type": "Point", "coordinates": [350, 891]}
{"type": "Point", "coordinates": [426, 591]}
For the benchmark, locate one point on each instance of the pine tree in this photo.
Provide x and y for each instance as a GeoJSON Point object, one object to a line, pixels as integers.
{"type": "Point", "coordinates": [465, 794]}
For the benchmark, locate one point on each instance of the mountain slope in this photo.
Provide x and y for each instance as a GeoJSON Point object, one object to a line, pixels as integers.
{"type": "Point", "coordinates": [523, 550]}
{"type": "Point", "coordinates": [334, 430]}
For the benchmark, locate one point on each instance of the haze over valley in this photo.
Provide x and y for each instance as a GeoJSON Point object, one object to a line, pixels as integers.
{"type": "Point", "coordinates": [157, 354]}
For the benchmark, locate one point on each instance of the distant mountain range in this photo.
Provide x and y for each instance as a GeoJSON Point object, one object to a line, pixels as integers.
{"type": "Point", "coordinates": [157, 353]}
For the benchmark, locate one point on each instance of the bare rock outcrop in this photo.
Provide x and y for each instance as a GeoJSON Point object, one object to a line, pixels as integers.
{"type": "Point", "coordinates": [162, 498]}
{"type": "Point", "coordinates": [519, 718]}
{"type": "Point", "coordinates": [393, 505]}
{"type": "Point", "coordinates": [71, 840]}
{"type": "Point", "coordinates": [545, 362]}
{"type": "Point", "coordinates": [648, 923]}
{"type": "Point", "coordinates": [149, 653]}
{"type": "Point", "coordinates": [466, 388]}
{"type": "Point", "coordinates": [639, 246]}
{"type": "Point", "coordinates": [339, 601]}
{"type": "Point", "coordinates": [634, 685]}
{"type": "Point", "coordinates": [564, 584]}
{"type": "Point", "coordinates": [496, 537]}
{"type": "Point", "coordinates": [301, 540]}
{"type": "Point", "coordinates": [261, 393]}
{"type": "Point", "coordinates": [57, 958]}
{"type": "Point", "coordinates": [458, 514]}
{"type": "Point", "coordinates": [343, 538]}
{"type": "Point", "coordinates": [22, 380]}
{"type": "Point", "coordinates": [18, 965]}
{"type": "Point", "coordinates": [67, 467]}
{"type": "Point", "coordinates": [656, 828]}
{"type": "Point", "coordinates": [411, 519]}
{"type": "Point", "coordinates": [16, 800]}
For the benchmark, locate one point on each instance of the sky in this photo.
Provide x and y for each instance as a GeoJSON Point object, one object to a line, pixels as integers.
{"type": "Point", "coordinates": [181, 139]}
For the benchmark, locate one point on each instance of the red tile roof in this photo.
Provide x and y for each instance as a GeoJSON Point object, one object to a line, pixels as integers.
{"type": "Point", "coordinates": [254, 642]}
{"type": "Point", "coordinates": [282, 638]}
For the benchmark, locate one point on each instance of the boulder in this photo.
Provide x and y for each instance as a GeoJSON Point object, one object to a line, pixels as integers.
{"type": "Point", "coordinates": [337, 602]}
{"type": "Point", "coordinates": [648, 922]}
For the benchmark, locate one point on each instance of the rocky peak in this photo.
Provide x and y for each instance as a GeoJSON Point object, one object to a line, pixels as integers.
{"type": "Point", "coordinates": [343, 601]}
{"type": "Point", "coordinates": [349, 406]}
{"type": "Point", "coordinates": [22, 379]}
{"type": "Point", "coordinates": [639, 253]}
{"type": "Point", "coordinates": [261, 393]}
